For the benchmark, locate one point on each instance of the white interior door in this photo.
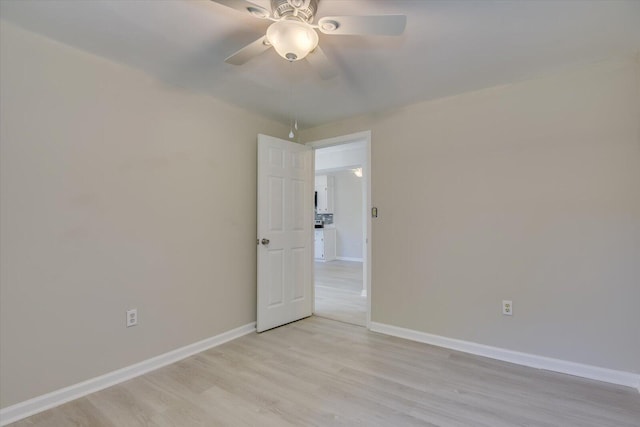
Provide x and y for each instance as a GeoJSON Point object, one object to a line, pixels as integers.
{"type": "Point", "coordinates": [285, 232]}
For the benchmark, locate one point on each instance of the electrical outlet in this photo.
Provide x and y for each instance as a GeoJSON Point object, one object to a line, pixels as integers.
{"type": "Point", "coordinates": [507, 307]}
{"type": "Point", "coordinates": [132, 317]}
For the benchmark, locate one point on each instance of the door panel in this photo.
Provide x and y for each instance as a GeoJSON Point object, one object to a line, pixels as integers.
{"type": "Point", "coordinates": [298, 270]}
{"type": "Point", "coordinates": [275, 267]}
{"type": "Point", "coordinates": [299, 206]}
{"type": "Point", "coordinates": [285, 232]}
{"type": "Point", "coordinates": [276, 206]}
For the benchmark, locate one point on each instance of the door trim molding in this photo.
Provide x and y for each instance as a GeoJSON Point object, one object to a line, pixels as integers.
{"type": "Point", "coordinates": [519, 358]}
{"type": "Point", "coordinates": [55, 398]}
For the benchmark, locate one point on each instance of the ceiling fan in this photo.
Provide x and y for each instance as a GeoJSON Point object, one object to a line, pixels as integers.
{"type": "Point", "coordinates": [293, 34]}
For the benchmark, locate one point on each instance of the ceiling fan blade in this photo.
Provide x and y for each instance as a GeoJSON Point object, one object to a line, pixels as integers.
{"type": "Point", "coordinates": [381, 25]}
{"type": "Point", "coordinates": [322, 64]}
{"type": "Point", "coordinates": [249, 51]}
{"type": "Point", "coordinates": [245, 6]}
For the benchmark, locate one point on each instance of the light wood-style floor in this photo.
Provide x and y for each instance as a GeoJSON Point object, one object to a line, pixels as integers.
{"type": "Point", "coordinates": [338, 288]}
{"type": "Point", "coordinates": [319, 372]}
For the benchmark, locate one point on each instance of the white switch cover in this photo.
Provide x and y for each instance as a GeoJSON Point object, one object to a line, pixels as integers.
{"type": "Point", "coordinates": [507, 307]}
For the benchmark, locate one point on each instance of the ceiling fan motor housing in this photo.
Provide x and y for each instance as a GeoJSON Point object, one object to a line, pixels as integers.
{"type": "Point", "coordinates": [306, 9]}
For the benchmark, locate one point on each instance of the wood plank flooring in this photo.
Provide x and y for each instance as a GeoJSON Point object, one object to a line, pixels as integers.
{"type": "Point", "coordinates": [319, 372]}
{"type": "Point", "coordinates": [338, 287]}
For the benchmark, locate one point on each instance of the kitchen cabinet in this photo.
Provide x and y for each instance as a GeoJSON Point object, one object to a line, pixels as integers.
{"type": "Point", "coordinates": [325, 244]}
{"type": "Point", "coordinates": [324, 190]}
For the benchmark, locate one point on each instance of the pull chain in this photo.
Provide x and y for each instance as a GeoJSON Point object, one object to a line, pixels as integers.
{"type": "Point", "coordinates": [293, 124]}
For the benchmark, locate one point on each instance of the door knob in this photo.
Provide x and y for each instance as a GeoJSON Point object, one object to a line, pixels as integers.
{"type": "Point", "coordinates": [265, 241]}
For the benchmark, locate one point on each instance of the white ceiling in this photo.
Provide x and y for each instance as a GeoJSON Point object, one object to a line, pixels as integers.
{"type": "Point", "coordinates": [449, 47]}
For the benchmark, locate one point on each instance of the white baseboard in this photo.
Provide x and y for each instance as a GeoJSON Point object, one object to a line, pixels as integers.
{"type": "Point", "coordinates": [347, 258]}
{"type": "Point", "coordinates": [531, 360]}
{"type": "Point", "coordinates": [46, 401]}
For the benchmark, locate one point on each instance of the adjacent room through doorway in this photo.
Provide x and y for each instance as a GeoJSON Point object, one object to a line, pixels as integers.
{"type": "Point", "coordinates": [340, 288]}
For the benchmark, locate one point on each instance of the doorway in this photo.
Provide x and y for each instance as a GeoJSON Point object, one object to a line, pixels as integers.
{"type": "Point", "coordinates": [342, 245]}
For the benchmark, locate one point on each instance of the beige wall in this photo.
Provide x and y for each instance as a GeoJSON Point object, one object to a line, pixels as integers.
{"type": "Point", "coordinates": [348, 214]}
{"type": "Point", "coordinates": [117, 192]}
{"type": "Point", "coordinates": [529, 192]}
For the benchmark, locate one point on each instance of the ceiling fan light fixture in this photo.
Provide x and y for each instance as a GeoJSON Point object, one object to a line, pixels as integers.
{"type": "Point", "coordinates": [292, 39]}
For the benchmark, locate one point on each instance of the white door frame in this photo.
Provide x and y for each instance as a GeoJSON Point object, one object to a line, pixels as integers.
{"type": "Point", "coordinates": [366, 177]}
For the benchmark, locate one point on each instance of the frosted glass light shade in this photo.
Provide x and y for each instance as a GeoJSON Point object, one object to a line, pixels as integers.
{"type": "Point", "coordinates": [292, 39]}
